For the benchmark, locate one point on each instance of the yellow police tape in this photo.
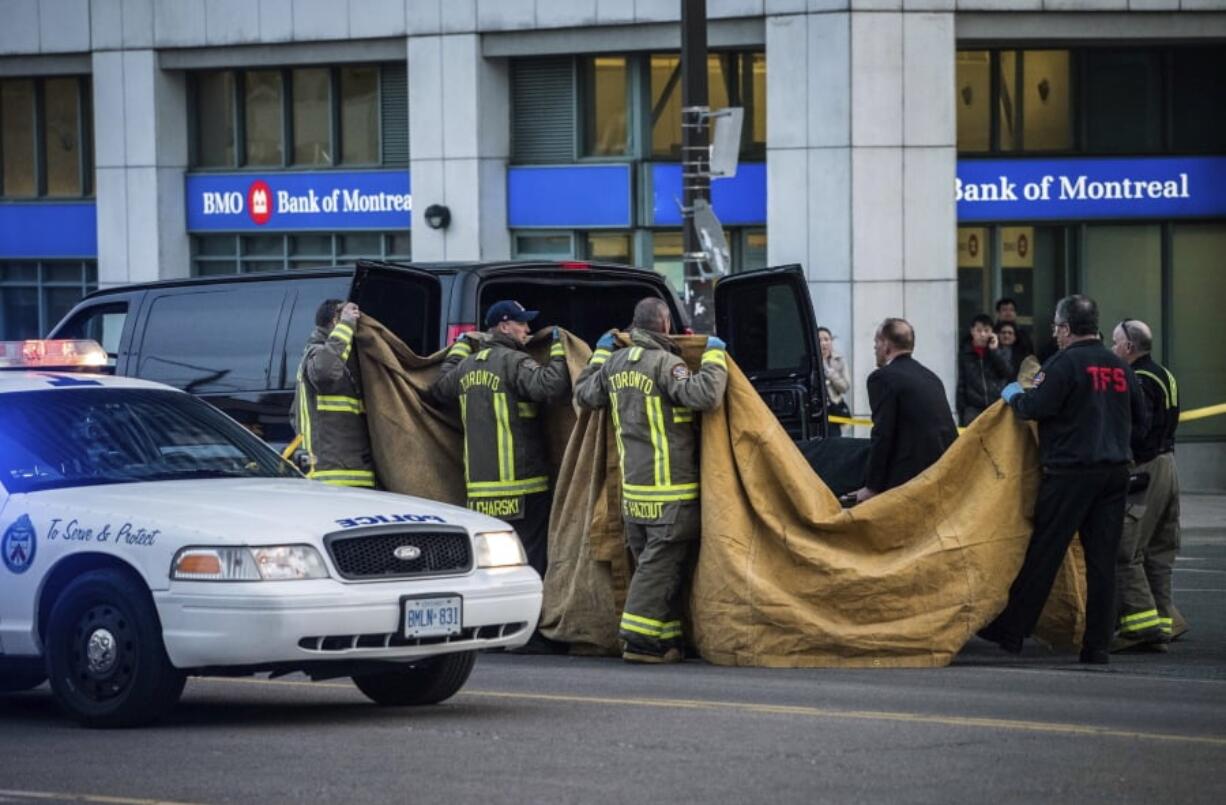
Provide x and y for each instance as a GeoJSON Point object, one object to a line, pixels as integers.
{"type": "Point", "coordinates": [1186, 416]}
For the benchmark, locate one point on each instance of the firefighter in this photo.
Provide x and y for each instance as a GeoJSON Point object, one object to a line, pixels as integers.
{"type": "Point", "coordinates": [1148, 618]}
{"type": "Point", "coordinates": [328, 412]}
{"type": "Point", "coordinates": [1086, 402]}
{"type": "Point", "coordinates": [654, 399]}
{"type": "Point", "coordinates": [500, 389]}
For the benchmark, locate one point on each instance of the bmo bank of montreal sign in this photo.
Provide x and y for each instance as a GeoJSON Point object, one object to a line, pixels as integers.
{"type": "Point", "coordinates": [323, 200]}
{"type": "Point", "coordinates": [1079, 189]}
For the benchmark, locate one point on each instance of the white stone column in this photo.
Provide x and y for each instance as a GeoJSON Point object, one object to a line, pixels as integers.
{"type": "Point", "coordinates": [459, 144]}
{"type": "Point", "coordinates": [140, 149]}
{"type": "Point", "coordinates": [860, 167]}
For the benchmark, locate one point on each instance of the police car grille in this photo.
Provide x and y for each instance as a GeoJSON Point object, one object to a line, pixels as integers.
{"type": "Point", "coordinates": [374, 556]}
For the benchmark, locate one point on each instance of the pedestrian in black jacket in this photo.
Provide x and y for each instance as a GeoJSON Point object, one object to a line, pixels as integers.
{"type": "Point", "coordinates": [1087, 402]}
{"type": "Point", "coordinates": [982, 370]}
{"type": "Point", "coordinates": [912, 424]}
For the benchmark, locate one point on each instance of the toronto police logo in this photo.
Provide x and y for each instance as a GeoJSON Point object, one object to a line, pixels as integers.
{"type": "Point", "coordinates": [18, 545]}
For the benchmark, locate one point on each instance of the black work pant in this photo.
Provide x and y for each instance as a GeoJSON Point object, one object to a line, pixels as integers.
{"type": "Point", "coordinates": [1088, 501]}
{"type": "Point", "coordinates": [533, 529]}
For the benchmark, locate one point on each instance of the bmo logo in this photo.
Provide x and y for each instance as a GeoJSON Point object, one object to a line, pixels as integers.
{"type": "Point", "coordinates": [259, 202]}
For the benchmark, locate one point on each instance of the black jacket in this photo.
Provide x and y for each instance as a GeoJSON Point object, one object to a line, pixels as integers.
{"type": "Point", "coordinates": [912, 425]}
{"type": "Point", "coordinates": [979, 380]}
{"type": "Point", "coordinates": [1088, 404]}
{"type": "Point", "coordinates": [1162, 400]}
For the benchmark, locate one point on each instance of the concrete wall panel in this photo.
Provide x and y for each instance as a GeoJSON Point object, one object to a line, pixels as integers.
{"type": "Point", "coordinates": [276, 20]}
{"type": "Point", "coordinates": [1000, 5]}
{"type": "Point", "coordinates": [142, 228]}
{"type": "Point", "coordinates": [185, 24]}
{"type": "Point", "coordinates": [827, 82]}
{"type": "Point", "coordinates": [876, 209]}
{"type": "Point", "coordinates": [140, 136]}
{"type": "Point", "coordinates": [870, 303]}
{"type": "Point", "coordinates": [376, 18]}
{"type": "Point", "coordinates": [720, 9]}
{"type": "Point", "coordinates": [928, 307]}
{"type": "Point", "coordinates": [657, 10]}
{"type": "Point", "coordinates": [425, 98]}
{"type": "Point", "coordinates": [109, 119]}
{"type": "Point", "coordinates": [458, 16]}
{"type": "Point", "coordinates": [111, 191]}
{"type": "Point", "coordinates": [429, 187]}
{"type": "Point", "coordinates": [63, 26]}
{"type": "Point", "coordinates": [321, 19]}
{"type": "Point", "coordinates": [505, 15]}
{"type": "Point", "coordinates": [876, 79]}
{"type": "Point", "coordinates": [828, 254]}
{"type": "Point", "coordinates": [876, 5]}
{"type": "Point", "coordinates": [930, 244]}
{"type": "Point", "coordinates": [1085, 5]}
{"type": "Point", "coordinates": [929, 5]}
{"type": "Point", "coordinates": [495, 240]}
{"type": "Point", "coordinates": [138, 23]}
{"type": "Point", "coordinates": [929, 116]}
{"type": "Point", "coordinates": [460, 54]}
{"type": "Point", "coordinates": [566, 13]}
{"type": "Point", "coordinates": [423, 17]}
{"type": "Point", "coordinates": [173, 245]}
{"type": "Point", "coordinates": [614, 11]}
{"type": "Point", "coordinates": [772, 7]}
{"type": "Point", "coordinates": [106, 24]}
{"type": "Point", "coordinates": [20, 31]}
{"type": "Point", "coordinates": [231, 22]}
{"type": "Point", "coordinates": [786, 206]}
{"type": "Point", "coordinates": [786, 95]}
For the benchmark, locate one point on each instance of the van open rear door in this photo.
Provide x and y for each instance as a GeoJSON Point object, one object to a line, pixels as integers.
{"type": "Point", "coordinates": [406, 300]}
{"type": "Point", "coordinates": [766, 317]}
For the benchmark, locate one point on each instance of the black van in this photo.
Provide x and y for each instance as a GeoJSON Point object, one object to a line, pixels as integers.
{"type": "Point", "coordinates": [236, 340]}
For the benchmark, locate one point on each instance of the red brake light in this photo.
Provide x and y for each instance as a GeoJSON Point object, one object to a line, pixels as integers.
{"type": "Point", "coordinates": [575, 265]}
{"type": "Point", "coordinates": [454, 331]}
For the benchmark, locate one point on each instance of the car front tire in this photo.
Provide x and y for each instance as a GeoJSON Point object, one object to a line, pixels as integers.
{"type": "Point", "coordinates": [105, 657]}
{"type": "Point", "coordinates": [427, 681]}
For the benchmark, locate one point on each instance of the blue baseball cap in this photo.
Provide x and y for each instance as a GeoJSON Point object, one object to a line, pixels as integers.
{"type": "Point", "coordinates": [508, 310]}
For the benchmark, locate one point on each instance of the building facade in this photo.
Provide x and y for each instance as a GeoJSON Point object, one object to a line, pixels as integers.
{"type": "Point", "coordinates": [919, 158]}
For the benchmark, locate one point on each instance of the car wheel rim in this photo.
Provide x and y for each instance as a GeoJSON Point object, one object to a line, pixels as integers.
{"type": "Point", "coordinates": [103, 653]}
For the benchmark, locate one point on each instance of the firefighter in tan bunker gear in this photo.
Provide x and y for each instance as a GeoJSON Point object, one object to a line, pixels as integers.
{"type": "Point", "coordinates": [500, 389]}
{"type": "Point", "coordinates": [328, 411]}
{"type": "Point", "coordinates": [653, 400]}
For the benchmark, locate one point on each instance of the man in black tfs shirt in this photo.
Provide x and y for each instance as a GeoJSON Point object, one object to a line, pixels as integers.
{"type": "Point", "coordinates": [1086, 402]}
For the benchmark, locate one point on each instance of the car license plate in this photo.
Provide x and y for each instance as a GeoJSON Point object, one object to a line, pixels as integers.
{"type": "Point", "coordinates": [436, 616]}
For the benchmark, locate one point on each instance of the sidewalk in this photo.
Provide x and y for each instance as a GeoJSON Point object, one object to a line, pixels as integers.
{"type": "Point", "coordinates": [1202, 514]}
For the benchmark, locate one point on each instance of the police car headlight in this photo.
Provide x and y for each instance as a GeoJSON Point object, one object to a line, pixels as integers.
{"type": "Point", "coordinates": [272, 563]}
{"type": "Point", "coordinates": [499, 549]}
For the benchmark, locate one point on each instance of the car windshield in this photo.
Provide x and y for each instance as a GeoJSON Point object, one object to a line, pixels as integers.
{"type": "Point", "coordinates": [86, 437]}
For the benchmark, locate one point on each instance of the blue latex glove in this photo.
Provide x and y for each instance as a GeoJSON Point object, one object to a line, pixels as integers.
{"type": "Point", "coordinates": [557, 334]}
{"type": "Point", "coordinates": [714, 342]}
{"type": "Point", "coordinates": [1010, 391]}
{"type": "Point", "coordinates": [606, 341]}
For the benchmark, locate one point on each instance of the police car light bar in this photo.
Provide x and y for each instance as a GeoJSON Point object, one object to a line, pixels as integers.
{"type": "Point", "coordinates": [48, 354]}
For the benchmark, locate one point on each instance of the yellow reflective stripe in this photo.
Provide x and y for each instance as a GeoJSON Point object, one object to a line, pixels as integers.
{"type": "Point", "coordinates": [342, 331]}
{"type": "Point", "coordinates": [557, 350]}
{"type": "Point", "coordinates": [599, 356]}
{"type": "Point", "coordinates": [459, 350]}
{"type": "Point", "coordinates": [645, 489]}
{"type": "Point", "coordinates": [617, 432]}
{"type": "Point", "coordinates": [1167, 625]}
{"type": "Point", "coordinates": [681, 414]}
{"type": "Point", "coordinates": [363, 484]}
{"type": "Point", "coordinates": [650, 627]}
{"type": "Point", "coordinates": [1173, 386]}
{"type": "Point", "coordinates": [506, 443]}
{"type": "Point", "coordinates": [649, 621]}
{"type": "Point", "coordinates": [630, 627]}
{"type": "Point", "coordinates": [714, 356]}
{"type": "Point", "coordinates": [339, 402]}
{"type": "Point", "coordinates": [502, 489]}
{"type": "Point", "coordinates": [483, 355]}
{"type": "Point", "coordinates": [661, 498]}
{"type": "Point", "coordinates": [635, 353]}
{"type": "Point", "coordinates": [342, 474]}
{"type": "Point", "coordinates": [304, 417]}
{"type": "Point", "coordinates": [665, 456]}
{"type": "Point", "coordinates": [659, 441]}
{"type": "Point", "coordinates": [1140, 616]}
{"type": "Point", "coordinates": [464, 423]}
{"type": "Point", "coordinates": [1165, 391]}
{"type": "Point", "coordinates": [526, 410]}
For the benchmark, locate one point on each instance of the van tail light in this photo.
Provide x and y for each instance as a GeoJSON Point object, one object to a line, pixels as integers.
{"type": "Point", "coordinates": [688, 331]}
{"type": "Point", "coordinates": [575, 265]}
{"type": "Point", "coordinates": [454, 331]}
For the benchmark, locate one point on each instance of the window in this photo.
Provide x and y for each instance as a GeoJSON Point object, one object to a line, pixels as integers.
{"type": "Point", "coordinates": [101, 323]}
{"type": "Point", "coordinates": [606, 89]}
{"type": "Point", "coordinates": [733, 79]}
{"type": "Point", "coordinates": [1198, 94]}
{"type": "Point", "coordinates": [45, 149]}
{"type": "Point", "coordinates": [1123, 101]}
{"type": "Point", "coordinates": [211, 340]}
{"type": "Point", "coordinates": [1197, 278]}
{"type": "Point", "coordinates": [308, 117]}
{"type": "Point", "coordinates": [34, 296]}
{"type": "Point", "coordinates": [1047, 101]}
{"type": "Point", "coordinates": [214, 255]}
{"type": "Point", "coordinates": [974, 100]}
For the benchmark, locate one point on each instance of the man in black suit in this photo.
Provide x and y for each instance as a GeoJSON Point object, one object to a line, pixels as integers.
{"type": "Point", "coordinates": [912, 423]}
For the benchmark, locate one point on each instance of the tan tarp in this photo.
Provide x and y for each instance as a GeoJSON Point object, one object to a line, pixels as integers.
{"type": "Point", "coordinates": [785, 576]}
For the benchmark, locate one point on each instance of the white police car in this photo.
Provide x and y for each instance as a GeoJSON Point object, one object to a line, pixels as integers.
{"type": "Point", "coordinates": [145, 537]}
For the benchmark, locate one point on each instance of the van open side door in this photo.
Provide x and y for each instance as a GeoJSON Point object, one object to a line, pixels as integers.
{"type": "Point", "coordinates": [406, 300]}
{"type": "Point", "coordinates": [766, 317]}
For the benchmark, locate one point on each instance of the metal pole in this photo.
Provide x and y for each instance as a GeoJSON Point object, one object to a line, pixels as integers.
{"type": "Point", "coordinates": [695, 181]}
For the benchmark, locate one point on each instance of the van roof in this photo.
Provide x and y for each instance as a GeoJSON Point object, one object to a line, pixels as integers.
{"type": "Point", "coordinates": [439, 267]}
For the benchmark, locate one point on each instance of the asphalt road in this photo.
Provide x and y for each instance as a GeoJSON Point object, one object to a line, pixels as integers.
{"type": "Point", "coordinates": [558, 729]}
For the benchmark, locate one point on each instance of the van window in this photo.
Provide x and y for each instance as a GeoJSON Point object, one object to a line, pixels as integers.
{"type": "Point", "coordinates": [310, 295]}
{"type": "Point", "coordinates": [212, 340]}
{"type": "Point", "coordinates": [587, 309]}
{"type": "Point", "coordinates": [767, 328]}
{"type": "Point", "coordinates": [406, 303]}
{"type": "Point", "coordinates": [101, 323]}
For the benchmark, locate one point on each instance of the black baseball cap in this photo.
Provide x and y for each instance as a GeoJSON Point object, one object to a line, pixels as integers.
{"type": "Point", "coordinates": [508, 310]}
